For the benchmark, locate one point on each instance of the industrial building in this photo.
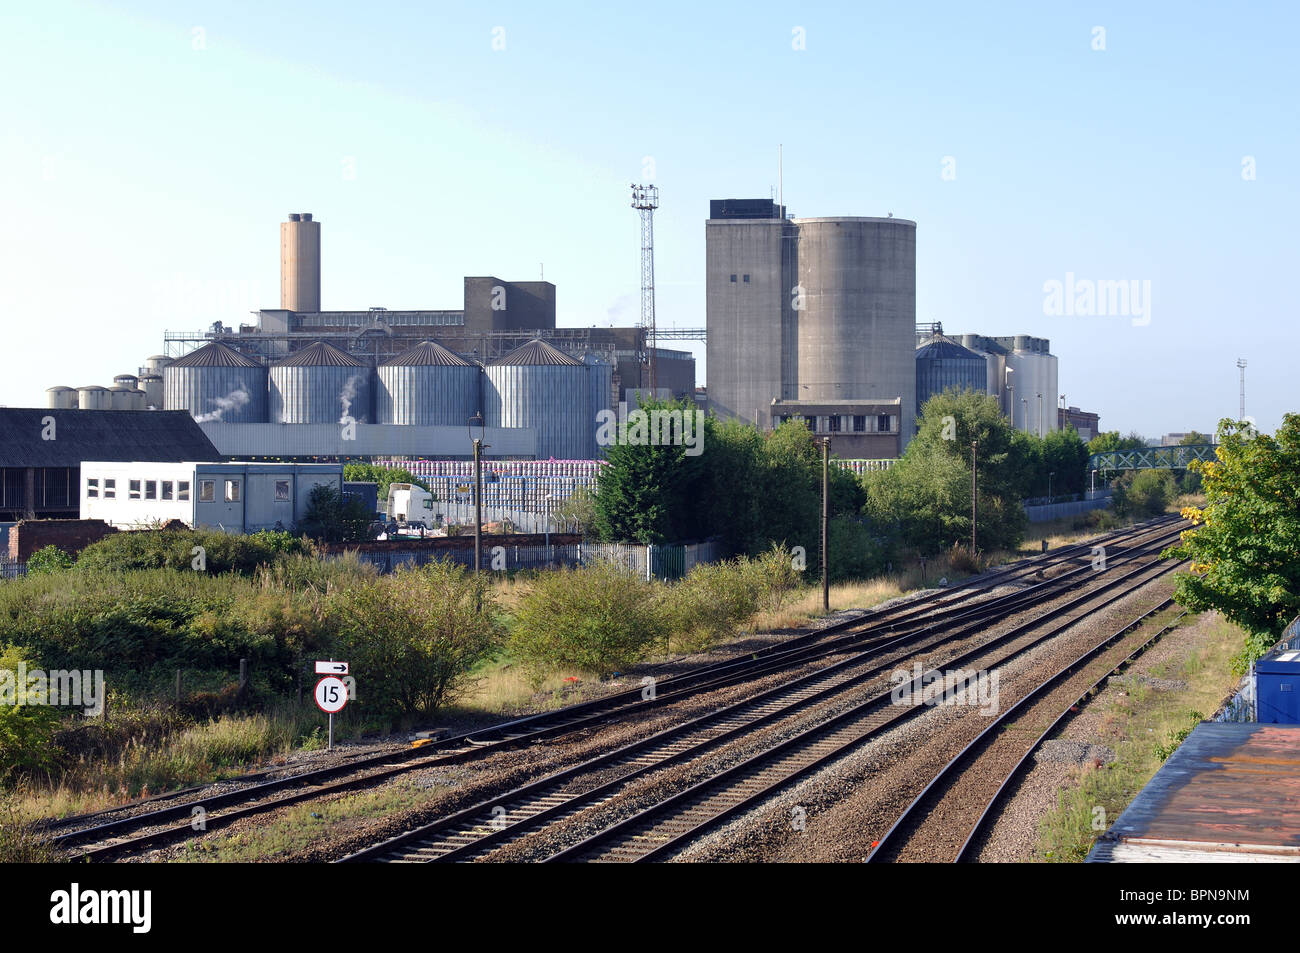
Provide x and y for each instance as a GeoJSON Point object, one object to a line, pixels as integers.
{"type": "Point", "coordinates": [539, 387]}
{"type": "Point", "coordinates": [1021, 372]}
{"type": "Point", "coordinates": [41, 452]}
{"type": "Point", "coordinates": [1086, 423]}
{"type": "Point", "coordinates": [814, 309]}
{"type": "Point", "coordinates": [233, 497]}
{"type": "Point", "coordinates": [943, 364]}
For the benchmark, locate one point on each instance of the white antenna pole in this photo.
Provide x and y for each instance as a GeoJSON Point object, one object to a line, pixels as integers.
{"type": "Point", "coordinates": [780, 177]}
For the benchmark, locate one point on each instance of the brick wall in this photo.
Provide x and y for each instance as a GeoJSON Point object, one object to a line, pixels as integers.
{"type": "Point", "coordinates": [71, 536]}
{"type": "Point", "coordinates": [455, 542]}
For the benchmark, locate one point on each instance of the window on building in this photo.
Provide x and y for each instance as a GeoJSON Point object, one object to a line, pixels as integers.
{"type": "Point", "coordinates": [92, 487]}
{"type": "Point", "coordinates": [182, 489]}
{"type": "Point", "coordinates": [860, 423]}
{"type": "Point", "coordinates": [282, 491]}
{"type": "Point", "coordinates": [110, 489]}
{"type": "Point", "coordinates": [834, 422]}
{"type": "Point", "coordinates": [882, 423]}
{"type": "Point", "coordinates": [733, 279]}
{"type": "Point", "coordinates": [232, 491]}
{"type": "Point", "coordinates": [168, 488]}
{"type": "Point", "coordinates": [133, 489]}
{"type": "Point", "coordinates": [207, 491]}
{"type": "Point", "coordinates": [811, 422]}
{"type": "Point", "coordinates": [747, 279]}
{"type": "Point", "coordinates": [151, 489]}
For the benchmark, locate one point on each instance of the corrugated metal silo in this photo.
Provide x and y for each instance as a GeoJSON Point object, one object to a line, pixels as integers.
{"type": "Point", "coordinates": [216, 383]}
{"type": "Point", "coordinates": [94, 397]}
{"type": "Point", "coordinates": [539, 387]}
{"type": "Point", "coordinates": [319, 384]}
{"type": "Point", "coordinates": [61, 398]}
{"type": "Point", "coordinates": [600, 373]}
{"type": "Point", "coordinates": [942, 363]}
{"type": "Point", "coordinates": [427, 385]}
{"type": "Point", "coordinates": [152, 385]}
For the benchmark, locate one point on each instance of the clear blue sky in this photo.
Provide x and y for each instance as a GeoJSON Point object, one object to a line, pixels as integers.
{"type": "Point", "coordinates": [144, 178]}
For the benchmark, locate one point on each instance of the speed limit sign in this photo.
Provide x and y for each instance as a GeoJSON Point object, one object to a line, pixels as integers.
{"type": "Point", "coordinates": [331, 694]}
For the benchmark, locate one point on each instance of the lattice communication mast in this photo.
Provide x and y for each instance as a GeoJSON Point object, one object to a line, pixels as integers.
{"type": "Point", "coordinates": [645, 198]}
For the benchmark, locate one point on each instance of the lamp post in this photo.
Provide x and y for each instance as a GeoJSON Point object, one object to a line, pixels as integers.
{"type": "Point", "coordinates": [476, 424]}
{"type": "Point", "coordinates": [547, 500]}
{"type": "Point", "coordinates": [1094, 482]}
{"type": "Point", "coordinates": [1050, 474]}
{"type": "Point", "coordinates": [1040, 416]}
{"type": "Point", "coordinates": [1025, 401]}
{"type": "Point", "coordinates": [974, 512]}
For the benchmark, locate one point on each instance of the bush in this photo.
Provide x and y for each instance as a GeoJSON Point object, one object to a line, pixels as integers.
{"type": "Point", "coordinates": [412, 637]}
{"type": "Point", "coordinates": [853, 551]}
{"type": "Point", "coordinates": [1141, 493]}
{"type": "Point", "coordinates": [27, 724]}
{"type": "Point", "coordinates": [599, 618]}
{"type": "Point", "coordinates": [48, 559]}
{"type": "Point", "coordinates": [711, 602]}
{"type": "Point", "coordinates": [174, 549]}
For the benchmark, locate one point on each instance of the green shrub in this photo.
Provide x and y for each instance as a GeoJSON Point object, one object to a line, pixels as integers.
{"type": "Point", "coordinates": [1141, 493]}
{"type": "Point", "coordinates": [710, 603]}
{"type": "Point", "coordinates": [175, 549]}
{"type": "Point", "coordinates": [27, 724]}
{"type": "Point", "coordinates": [853, 551]}
{"type": "Point", "coordinates": [412, 637]}
{"type": "Point", "coordinates": [599, 618]}
{"type": "Point", "coordinates": [19, 843]}
{"type": "Point", "coordinates": [48, 559]}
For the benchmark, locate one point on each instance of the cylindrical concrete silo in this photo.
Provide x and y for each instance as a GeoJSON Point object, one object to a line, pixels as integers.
{"type": "Point", "coordinates": [120, 397]}
{"type": "Point", "coordinates": [855, 309]}
{"type": "Point", "coordinates": [943, 364]}
{"type": "Point", "coordinates": [216, 383]}
{"type": "Point", "coordinates": [152, 385]}
{"type": "Point", "coordinates": [94, 397]}
{"type": "Point", "coordinates": [427, 385]}
{"type": "Point", "coordinates": [61, 398]}
{"type": "Point", "coordinates": [319, 384]}
{"type": "Point", "coordinates": [156, 363]}
{"type": "Point", "coordinates": [1034, 372]}
{"type": "Point", "coordinates": [126, 380]}
{"type": "Point", "coordinates": [539, 387]}
{"type": "Point", "coordinates": [300, 263]}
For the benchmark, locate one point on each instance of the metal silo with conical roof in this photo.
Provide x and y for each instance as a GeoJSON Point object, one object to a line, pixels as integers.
{"type": "Point", "coordinates": [427, 385]}
{"type": "Point", "coordinates": [539, 387]}
{"type": "Point", "coordinates": [942, 363]}
{"type": "Point", "coordinates": [319, 384]}
{"type": "Point", "coordinates": [216, 383]}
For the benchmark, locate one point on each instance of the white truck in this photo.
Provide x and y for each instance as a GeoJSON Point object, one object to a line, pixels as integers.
{"type": "Point", "coordinates": [408, 503]}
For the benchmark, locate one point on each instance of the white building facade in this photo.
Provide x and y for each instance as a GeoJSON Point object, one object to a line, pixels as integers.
{"type": "Point", "coordinates": [233, 497]}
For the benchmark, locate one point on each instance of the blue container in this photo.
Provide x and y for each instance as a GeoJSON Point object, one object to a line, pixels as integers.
{"type": "Point", "coordinates": [1277, 685]}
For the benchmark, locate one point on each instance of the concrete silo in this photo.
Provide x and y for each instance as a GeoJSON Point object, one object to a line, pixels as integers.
{"type": "Point", "coordinates": [152, 385]}
{"type": "Point", "coordinates": [857, 318]}
{"type": "Point", "coordinates": [61, 398]}
{"type": "Point", "coordinates": [156, 363]}
{"type": "Point", "coordinates": [123, 397]}
{"type": "Point", "coordinates": [1033, 373]}
{"type": "Point", "coordinates": [94, 397]}
{"type": "Point", "coordinates": [943, 364]}
{"type": "Point", "coordinates": [300, 263]}
{"type": "Point", "coordinates": [216, 383]}
{"type": "Point", "coordinates": [319, 384]}
{"type": "Point", "coordinates": [539, 387]}
{"type": "Point", "coordinates": [427, 385]}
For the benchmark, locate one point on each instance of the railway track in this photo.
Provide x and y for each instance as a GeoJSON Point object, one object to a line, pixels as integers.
{"type": "Point", "coordinates": [981, 766]}
{"type": "Point", "coordinates": [477, 830]}
{"type": "Point", "coordinates": [104, 839]}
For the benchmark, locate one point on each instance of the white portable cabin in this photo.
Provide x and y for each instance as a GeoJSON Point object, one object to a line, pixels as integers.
{"type": "Point", "coordinates": [234, 497]}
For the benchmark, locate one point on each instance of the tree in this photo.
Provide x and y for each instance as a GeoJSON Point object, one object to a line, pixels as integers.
{"type": "Point", "coordinates": [373, 473]}
{"type": "Point", "coordinates": [48, 559]}
{"type": "Point", "coordinates": [1244, 548]}
{"type": "Point", "coordinates": [333, 518]}
{"type": "Point", "coordinates": [1062, 453]}
{"type": "Point", "coordinates": [924, 499]}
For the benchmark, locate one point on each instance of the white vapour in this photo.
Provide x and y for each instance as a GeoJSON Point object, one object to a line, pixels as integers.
{"type": "Point", "coordinates": [349, 394]}
{"type": "Point", "coordinates": [232, 401]}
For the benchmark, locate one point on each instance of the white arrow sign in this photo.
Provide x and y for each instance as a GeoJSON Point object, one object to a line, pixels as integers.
{"type": "Point", "coordinates": [331, 668]}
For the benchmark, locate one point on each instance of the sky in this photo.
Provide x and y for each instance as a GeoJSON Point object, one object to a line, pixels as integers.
{"type": "Point", "coordinates": [149, 151]}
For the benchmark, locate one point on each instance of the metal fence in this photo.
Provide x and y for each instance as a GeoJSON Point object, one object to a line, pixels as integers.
{"type": "Point", "coordinates": [10, 570]}
{"type": "Point", "coordinates": [659, 562]}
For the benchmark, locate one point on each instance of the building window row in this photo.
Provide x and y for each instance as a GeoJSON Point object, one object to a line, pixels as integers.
{"type": "Point", "coordinates": [836, 423]}
{"type": "Point", "coordinates": [138, 489]}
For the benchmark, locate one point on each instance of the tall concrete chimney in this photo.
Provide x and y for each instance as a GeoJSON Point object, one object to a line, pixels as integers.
{"type": "Point", "coordinates": [300, 263]}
